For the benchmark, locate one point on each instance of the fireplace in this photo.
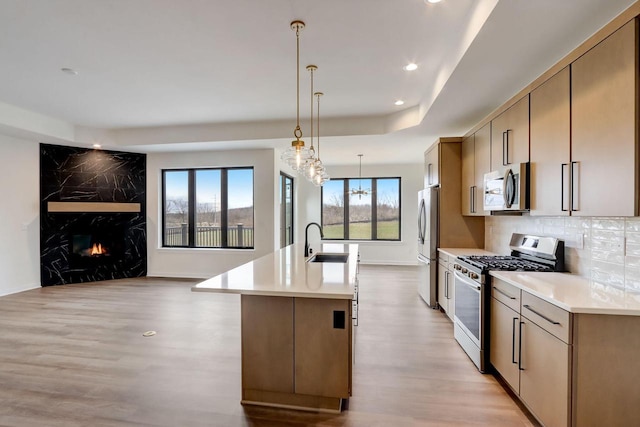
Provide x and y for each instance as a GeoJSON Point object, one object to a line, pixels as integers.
{"type": "Point", "coordinates": [92, 215]}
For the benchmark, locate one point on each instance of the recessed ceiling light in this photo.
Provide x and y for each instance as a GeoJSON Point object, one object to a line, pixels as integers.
{"type": "Point", "coordinates": [432, 1]}
{"type": "Point", "coordinates": [410, 67]}
{"type": "Point", "coordinates": [399, 102]}
{"type": "Point", "coordinates": [69, 71]}
{"type": "Point", "coordinates": [97, 146]}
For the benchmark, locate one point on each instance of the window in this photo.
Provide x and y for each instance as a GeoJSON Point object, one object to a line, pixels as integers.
{"type": "Point", "coordinates": [208, 208]}
{"type": "Point", "coordinates": [372, 215]}
{"type": "Point", "coordinates": [286, 210]}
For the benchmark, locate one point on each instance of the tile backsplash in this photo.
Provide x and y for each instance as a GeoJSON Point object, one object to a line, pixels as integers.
{"type": "Point", "coordinates": [603, 249]}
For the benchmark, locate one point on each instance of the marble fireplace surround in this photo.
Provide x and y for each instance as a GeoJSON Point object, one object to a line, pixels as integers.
{"type": "Point", "coordinates": [86, 192]}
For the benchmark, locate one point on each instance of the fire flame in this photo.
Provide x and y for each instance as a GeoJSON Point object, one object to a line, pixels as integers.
{"type": "Point", "coordinates": [97, 249]}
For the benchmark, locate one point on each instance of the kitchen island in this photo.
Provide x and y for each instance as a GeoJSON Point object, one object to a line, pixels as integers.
{"type": "Point", "coordinates": [296, 326]}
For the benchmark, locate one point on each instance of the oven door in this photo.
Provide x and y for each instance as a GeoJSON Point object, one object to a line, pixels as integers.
{"type": "Point", "coordinates": [468, 301]}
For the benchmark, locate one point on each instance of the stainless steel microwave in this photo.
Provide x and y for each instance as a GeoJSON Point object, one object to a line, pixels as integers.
{"type": "Point", "coordinates": [507, 189]}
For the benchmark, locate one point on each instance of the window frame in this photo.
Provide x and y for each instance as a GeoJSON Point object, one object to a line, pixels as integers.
{"type": "Point", "coordinates": [191, 217]}
{"type": "Point", "coordinates": [374, 209]}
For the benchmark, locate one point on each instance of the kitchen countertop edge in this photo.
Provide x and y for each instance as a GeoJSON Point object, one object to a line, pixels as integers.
{"type": "Point", "coordinates": [574, 293]}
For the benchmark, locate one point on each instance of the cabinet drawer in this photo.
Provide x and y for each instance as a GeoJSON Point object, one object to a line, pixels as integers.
{"type": "Point", "coordinates": [552, 319]}
{"type": "Point", "coordinates": [507, 294]}
{"type": "Point", "coordinates": [443, 259]}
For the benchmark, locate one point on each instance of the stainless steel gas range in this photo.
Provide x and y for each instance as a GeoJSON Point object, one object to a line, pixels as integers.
{"type": "Point", "coordinates": [472, 292]}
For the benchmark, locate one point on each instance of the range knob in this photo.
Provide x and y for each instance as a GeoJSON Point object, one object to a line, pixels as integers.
{"type": "Point", "coordinates": [473, 275]}
{"type": "Point", "coordinates": [464, 271]}
{"type": "Point", "coordinates": [457, 267]}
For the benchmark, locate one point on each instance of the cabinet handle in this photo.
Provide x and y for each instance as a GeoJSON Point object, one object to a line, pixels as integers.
{"type": "Point", "coordinates": [553, 322]}
{"type": "Point", "coordinates": [446, 284]}
{"type": "Point", "coordinates": [574, 183]}
{"type": "Point", "coordinates": [471, 201]}
{"type": "Point", "coordinates": [513, 341]}
{"type": "Point", "coordinates": [505, 148]}
{"type": "Point", "coordinates": [429, 181]}
{"type": "Point", "coordinates": [520, 348]}
{"type": "Point", "coordinates": [503, 293]}
{"type": "Point", "coordinates": [562, 166]}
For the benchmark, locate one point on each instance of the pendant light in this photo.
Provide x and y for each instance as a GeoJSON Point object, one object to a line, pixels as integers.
{"type": "Point", "coordinates": [360, 192]}
{"type": "Point", "coordinates": [321, 175]}
{"type": "Point", "coordinates": [311, 163]}
{"type": "Point", "coordinates": [296, 156]}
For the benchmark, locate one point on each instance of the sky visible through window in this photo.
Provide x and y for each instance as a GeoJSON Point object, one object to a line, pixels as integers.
{"type": "Point", "coordinates": [240, 184]}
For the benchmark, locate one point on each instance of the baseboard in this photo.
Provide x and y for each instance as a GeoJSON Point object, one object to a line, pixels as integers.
{"type": "Point", "coordinates": [178, 276]}
{"type": "Point", "coordinates": [16, 291]}
{"type": "Point", "coordinates": [394, 263]}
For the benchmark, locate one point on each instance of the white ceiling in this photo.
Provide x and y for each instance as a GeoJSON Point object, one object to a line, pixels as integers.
{"type": "Point", "coordinates": [159, 75]}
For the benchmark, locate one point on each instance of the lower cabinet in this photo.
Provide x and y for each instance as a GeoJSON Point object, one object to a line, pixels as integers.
{"type": "Point", "coordinates": [505, 342]}
{"type": "Point", "coordinates": [296, 351]}
{"type": "Point", "coordinates": [544, 374]}
{"type": "Point", "coordinates": [527, 350]}
{"type": "Point", "coordinates": [446, 291]}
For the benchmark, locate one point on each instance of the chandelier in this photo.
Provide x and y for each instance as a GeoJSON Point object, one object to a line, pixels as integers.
{"type": "Point", "coordinates": [360, 192]}
{"type": "Point", "coordinates": [300, 158]}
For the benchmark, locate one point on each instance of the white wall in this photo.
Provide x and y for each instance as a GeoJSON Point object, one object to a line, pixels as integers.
{"type": "Point", "coordinates": [204, 263]}
{"type": "Point", "coordinates": [392, 253]}
{"type": "Point", "coordinates": [19, 215]}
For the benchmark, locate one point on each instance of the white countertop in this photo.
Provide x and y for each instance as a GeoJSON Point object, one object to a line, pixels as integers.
{"type": "Point", "coordinates": [285, 273]}
{"type": "Point", "coordinates": [574, 293]}
{"type": "Point", "coordinates": [456, 252]}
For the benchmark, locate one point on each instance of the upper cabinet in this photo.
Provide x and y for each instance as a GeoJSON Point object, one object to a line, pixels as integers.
{"type": "Point", "coordinates": [604, 111]}
{"type": "Point", "coordinates": [431, 163]}
{"type": "Point", "coordinates": [476, 161]}
{"type": "Point", "coordinates": [510, 136]}
{"type": "Point", "coordinates": [550, 146]}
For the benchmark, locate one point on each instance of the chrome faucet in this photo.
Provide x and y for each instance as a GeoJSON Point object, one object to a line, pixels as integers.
{"type": "Point", "coordinates": [306, 238]}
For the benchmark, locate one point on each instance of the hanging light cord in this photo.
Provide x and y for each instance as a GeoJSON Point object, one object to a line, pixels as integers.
{"type": "Point", "coordinates": [297, 132]}
{"type": "Point", "coordinates": [318, 94]}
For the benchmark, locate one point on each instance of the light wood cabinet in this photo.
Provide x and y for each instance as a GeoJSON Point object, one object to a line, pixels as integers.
{"type": "Point", "coordinates": [510, 136]}
{"type": "Point", "coordinates": [296, 351]}
{"type": "Point", "coordinates": [504, 342]}
{"type": "Point", "coordinates": [544, 374]}
{"type": "Point", "coordinates": [569, 369]}
{"type": "Point", "coordinates": [550, 146]}
{"type": "Point", "coordinates": [446, 291]}
{"type": "Point", "coordinates": [431, 166]}
{"type": "Point", "coordinates": [267, 343]}
{"type": "Point", "coordinates": [322, 350]}
{"type": "Point", "coordinates": [455, 230]}
{"type": "Point", "coordinates": [604, 120]}
{"type": "Point", "coordinates": [476, 161]}
{"type": "Point", "coordinates": [526, 349]}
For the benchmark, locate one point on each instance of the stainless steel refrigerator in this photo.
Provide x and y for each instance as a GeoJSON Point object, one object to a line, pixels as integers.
{"type": "Point", "coordinates": [428, 244]}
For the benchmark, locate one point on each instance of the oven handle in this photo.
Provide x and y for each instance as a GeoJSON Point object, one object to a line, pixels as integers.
{"type": "Point", "coordinates": [467, 281]}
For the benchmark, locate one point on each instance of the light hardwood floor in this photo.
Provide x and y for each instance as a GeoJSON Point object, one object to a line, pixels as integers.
{"type": "Point", "coordinates": [74, 355]}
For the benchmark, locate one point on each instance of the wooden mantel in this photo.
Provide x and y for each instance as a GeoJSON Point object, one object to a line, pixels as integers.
{"type": "Point", "coordinates": [59, 207]}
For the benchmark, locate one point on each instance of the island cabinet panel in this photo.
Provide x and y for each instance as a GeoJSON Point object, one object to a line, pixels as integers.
{"type": "Point", "coordinates": [604, 126]}
{"type": "Point", "coordinates": [510, 136]}
{"type": "Point", "coordinates": [551, 145]}
{"type": "Point", "coordinates": [322, 347]}
{"type": "Point", "coordinates": [267, 343]}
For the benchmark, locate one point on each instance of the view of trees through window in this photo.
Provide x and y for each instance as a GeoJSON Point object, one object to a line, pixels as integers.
{"type": "Point", "coordinates": [208, 208]}
{"type": "Point", "coordinates": [372, 212]}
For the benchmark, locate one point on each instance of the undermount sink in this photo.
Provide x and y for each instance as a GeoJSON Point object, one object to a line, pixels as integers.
{"type": "Point", "coordinates": [329, 257]}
